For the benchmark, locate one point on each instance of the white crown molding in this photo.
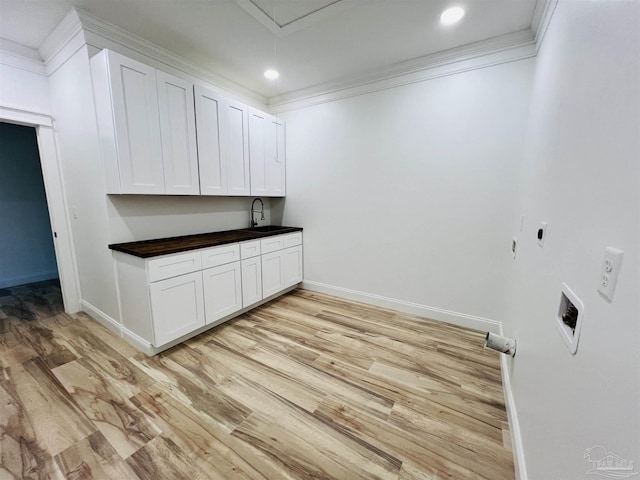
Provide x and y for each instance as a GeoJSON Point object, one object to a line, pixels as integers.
{"type": "Point", "coordinates": [19, 56]}
{"type": "Point", "coordinates": [541, 19]}
{"type": "Point", "coordinates": [62, 42]}
{"type": "Point", "coordinates": [101, 34]}
{"type": "Point", "coordinates": [494, 51]}
{"type": "Point", "coordinates": [305, 21]}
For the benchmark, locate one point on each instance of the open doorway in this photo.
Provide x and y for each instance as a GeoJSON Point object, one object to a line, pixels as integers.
{"type": "Point", "coordinates": [59, 228]}
{"type": "Point", "coordinates": [29, 278]}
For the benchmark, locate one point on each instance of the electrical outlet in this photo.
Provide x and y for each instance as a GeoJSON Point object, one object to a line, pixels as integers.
{"type": "Point", "coordinates": [542, 233]}
{"type": "Point", "coordinates": [609, 272]}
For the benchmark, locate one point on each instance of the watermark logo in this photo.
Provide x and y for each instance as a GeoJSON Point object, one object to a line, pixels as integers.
{"type": "Point", "coordinates": [609, 465]}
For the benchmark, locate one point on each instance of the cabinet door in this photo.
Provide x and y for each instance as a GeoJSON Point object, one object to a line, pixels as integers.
{"type": "Point", "coordinates": [209, 121]}
{"type": "Point", "coordinates": [276, 159]}
{"type": "Point", "coordinates": [258, 127]}
{"type": "Point", "coordinates": [222, 291]}
{"type": "Point", "coordinates": [251, 281]}
{"type": "Point", "coordinates": [137, 125]}
{"type": "Point", "coordinates": [177, 306]}
{"type": "Point", "coordinates": [272, 273]}
{"type": "Point", "coordinates": [178, 131]}
{"type": "Point", "coordinates": [235, 147]}
{"type": "Point", "coordinates": [292, 265]}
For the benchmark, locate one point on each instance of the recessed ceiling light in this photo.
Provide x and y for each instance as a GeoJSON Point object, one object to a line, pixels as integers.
{"type": "Point", "coordinates": [451, 15]}
{"type": "Point", "coordinates": [271, 74]}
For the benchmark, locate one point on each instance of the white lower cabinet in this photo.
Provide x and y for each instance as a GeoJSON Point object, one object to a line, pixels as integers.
{"type": "Point", "coordinates": [170, 297]}
{"type": "Point", "coordinates": [222, 291]}
{"type": "Point", "coordinates": [177, 306]}
{"type": "Point", "coordinates": [292, 266]}
{"type": "Point", "coordinates": [272, 274]}
{"type": "Point", "coordinates": [251, 281]}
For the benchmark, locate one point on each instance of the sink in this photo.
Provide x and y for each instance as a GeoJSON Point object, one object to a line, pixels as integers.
{"type": "Point", "coordinates": [267, 229]}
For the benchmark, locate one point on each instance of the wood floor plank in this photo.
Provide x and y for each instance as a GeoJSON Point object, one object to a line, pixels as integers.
{"type": "Point", "coordinates": [93, 458]}
{"type": "Point", "coordinates": [305, 386]}
{"type": "Point", "coordinates": [305, 450]}
{"type": "Point", "coordinates": [301, 367]}
{"type": "Point", "coordinates": [56, 421]}
{"type": "Point", "coordinates": [183, 374]}
{"type": "Point", "coordinates": [162, 459]}
{"type": "Point", "coordinates": [198, 439]}
{"type": "Point", "coordinates": [465, 417]}
{"type": "Point", "coordinates": [396, 441]}
{"type": "Point", "coordinates": [108, 407]}
{"type": "Point", "coordinates": [41, 337]}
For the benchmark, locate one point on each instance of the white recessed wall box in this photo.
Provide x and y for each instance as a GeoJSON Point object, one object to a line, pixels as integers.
{"type": "Point", "coordinates": [569, 319]}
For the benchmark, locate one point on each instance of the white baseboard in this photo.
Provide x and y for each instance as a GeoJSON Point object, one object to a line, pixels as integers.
{"type": "Point", "coordinates": [31, 278]}
{"type": "Point", "coordinates": [138, 342]}
{"type": "Point", "coordinates": [116, 328]}
{"type": "Point", "coordinates": [455, 318]}
{"type": "Point", "coordinates": [512, 415]}
{"type": "Point", "coordinates": [102, 318]}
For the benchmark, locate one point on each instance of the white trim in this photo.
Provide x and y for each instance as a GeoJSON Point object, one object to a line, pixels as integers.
{"type": "Point", "coordinates": [19, 56]}
{"type": "Point", "coordinates": [102, 318]}
{"type": "Point", "coordinates": [101, 34]}
{"type": "Point", "coordinates": [24, 117]}
{"type": "Point", "coordinates": [512, 416]}
{"type": "Point", "coordinates": [31, 278]}
{"type": "Point", "coordinates": [300, 23]}
{"type": "Point", "coordinates": [138, 342]}
{"type": "Point", "coordinates": [62, 42]}
{"type": "Point", "coordinates": [60, 223]}
{"type": "Point", "coordinates": [494, 51]}
{"type": "Point", "coordinates": [541, 19]}
{"type": "Point", "coordinates": [434, 313]}
{"type": "Point", "coordinates": [116, 328]}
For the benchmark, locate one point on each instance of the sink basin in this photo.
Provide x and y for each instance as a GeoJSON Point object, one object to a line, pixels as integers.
{"type": "Point", "coordinates": [267, 229]}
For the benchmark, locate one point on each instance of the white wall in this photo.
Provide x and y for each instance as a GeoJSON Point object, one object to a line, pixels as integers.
{"type": "Point", "coordinates": [76, 129]}
{"type": "Point", "coordinates": [582, 175]}
{"type": "Point", "coordinates": [26, 244]}
{"type": "Point", "coordinates": [408, 193]}
{"type": "Point", "coordinates": [22, 89]}
{"type": "Point", "coordinates": [138, 217]}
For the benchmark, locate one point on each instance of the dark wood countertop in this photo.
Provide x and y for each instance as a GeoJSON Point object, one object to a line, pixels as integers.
{"type": "Point", "coordinates": [164, 246]}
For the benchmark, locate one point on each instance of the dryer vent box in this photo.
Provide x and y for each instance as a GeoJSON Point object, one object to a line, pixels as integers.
{"type": "Point", "coordinates": [569, 318]}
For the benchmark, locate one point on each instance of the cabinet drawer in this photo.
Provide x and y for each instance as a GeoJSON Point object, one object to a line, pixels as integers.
{"type": "Point", "coordinates": [291, 240]}
{"type": "Point", "coordinates": [212, 257]}
{"type": "Point", "coordinates": [250, 249]}
{"type": "Point", "coordinates": [173, 265]}
{"type": "Point", "coordinates": [271, 244]}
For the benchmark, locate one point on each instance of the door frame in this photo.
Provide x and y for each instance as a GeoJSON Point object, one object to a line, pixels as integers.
{"type": "Point", "coordinates": [56, 200]}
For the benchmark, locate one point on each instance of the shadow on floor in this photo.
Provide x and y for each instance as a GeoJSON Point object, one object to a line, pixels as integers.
{"type": "Point", "coordinates": [31, 301]}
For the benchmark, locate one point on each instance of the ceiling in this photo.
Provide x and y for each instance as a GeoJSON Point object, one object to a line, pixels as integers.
{"type": "Point", "coordinates": [309, 41]}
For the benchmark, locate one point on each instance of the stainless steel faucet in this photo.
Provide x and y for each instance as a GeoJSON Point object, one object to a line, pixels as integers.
{"type": "Point", "coordinates": [253, 222]}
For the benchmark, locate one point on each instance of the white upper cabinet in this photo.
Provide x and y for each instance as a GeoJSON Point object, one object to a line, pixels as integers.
{"type": "Point", "coordinates": [223, 148]}
{"type": "Point", "coordinates": [213, 176]}
{"type": "Point", "coordinates": [267, 154]}
{"type": "Point", "coordinates": [128, 120]}
{"type": "Point", "coordinates": [147, 127]}
{"type": "Point", "coordinates": [235, 147]}
{"type": "Point", "coordinates": [178, 132]}
{"type": "Point", "coordinates": [161, 135]}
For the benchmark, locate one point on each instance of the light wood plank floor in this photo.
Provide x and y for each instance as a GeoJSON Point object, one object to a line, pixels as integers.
{"type": "Point", "coordinates": [305, 387]}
